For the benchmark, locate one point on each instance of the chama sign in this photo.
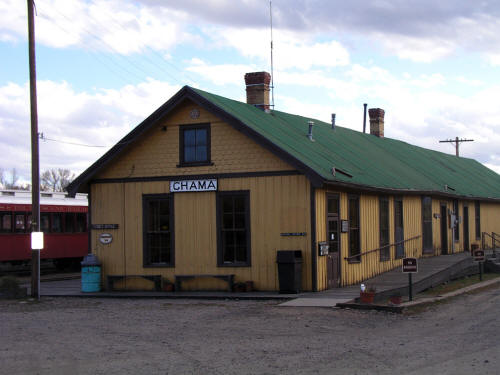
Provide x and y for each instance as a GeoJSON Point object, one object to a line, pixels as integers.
{"type": "Point", "coordinates": [193, 185]}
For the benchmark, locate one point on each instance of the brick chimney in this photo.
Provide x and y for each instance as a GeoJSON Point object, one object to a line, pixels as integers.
{"type": "Point", "coordinates": [258, 89]}
{"type": "Point", "coordinates": [377, 121]}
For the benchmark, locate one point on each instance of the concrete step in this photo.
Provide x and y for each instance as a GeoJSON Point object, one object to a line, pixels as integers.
{"type": "Point", "coordinates": [492, 266]}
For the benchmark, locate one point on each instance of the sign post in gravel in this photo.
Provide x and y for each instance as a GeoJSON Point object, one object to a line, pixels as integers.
{"type": "Point", "coordinates": [410, 267]}
{"type": "Point", "coordinates": [479, 257]}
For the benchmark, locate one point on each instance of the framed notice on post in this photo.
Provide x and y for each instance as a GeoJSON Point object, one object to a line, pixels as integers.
{"type": "Point", "coordinates": [410, 265]}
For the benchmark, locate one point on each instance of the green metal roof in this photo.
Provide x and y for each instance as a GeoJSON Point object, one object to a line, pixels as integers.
{"type": "Point", "coordinates": [362, 159]}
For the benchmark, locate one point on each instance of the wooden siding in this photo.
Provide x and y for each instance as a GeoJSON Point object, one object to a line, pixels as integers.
{"type": "Point", "coordinates": [277, 204]}
{"type": "Point", "coordinates": [370, 265]}
{"type": "Point", "coordinates": [490, 218]}
{"type": "Point", "coordinates": [157, 152]}
{"type": "Point", "coordinates": [320, 202]}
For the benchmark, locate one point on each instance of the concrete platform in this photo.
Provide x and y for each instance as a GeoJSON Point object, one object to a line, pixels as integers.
{"type": "Point", "coordinates": [432, 271]}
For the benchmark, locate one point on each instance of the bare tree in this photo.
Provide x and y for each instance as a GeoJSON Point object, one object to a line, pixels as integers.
{"type": "Point", "coordinates": [56, 179]}
{"type": "Point", "coordinates": [11, 181]}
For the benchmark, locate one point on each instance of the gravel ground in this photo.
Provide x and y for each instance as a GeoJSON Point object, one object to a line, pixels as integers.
{"type": "Point", "coordinates": [122, 336]}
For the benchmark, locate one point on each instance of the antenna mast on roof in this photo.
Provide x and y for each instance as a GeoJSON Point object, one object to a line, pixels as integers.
{"type": "Point", "coordinates": [272, 67]}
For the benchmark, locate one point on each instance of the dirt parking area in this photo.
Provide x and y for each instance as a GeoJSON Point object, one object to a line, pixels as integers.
{"type": "Point", "coordinates": [123, 336]}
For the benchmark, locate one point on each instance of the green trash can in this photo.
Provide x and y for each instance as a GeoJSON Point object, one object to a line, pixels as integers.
{"type": "Point", "coordinates": [91, 274]}
{"type": "Point", "coordinates": [289, 270]}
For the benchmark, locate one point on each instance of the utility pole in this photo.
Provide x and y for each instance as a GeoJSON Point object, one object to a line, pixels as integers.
{"type": "Point", "coordinates": [457, 143]}
{"type": "Point", "coordinates": [35, 167]}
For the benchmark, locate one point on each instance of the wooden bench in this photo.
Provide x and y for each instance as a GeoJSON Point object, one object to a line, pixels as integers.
{"type": "Point", "coordinates": [154, 278]}
{"type": "Point", "coordinates": [180, 278]}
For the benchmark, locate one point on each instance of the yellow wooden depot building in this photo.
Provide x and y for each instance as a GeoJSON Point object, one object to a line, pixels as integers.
{"type": "Point", "coordinates": [209, 186]}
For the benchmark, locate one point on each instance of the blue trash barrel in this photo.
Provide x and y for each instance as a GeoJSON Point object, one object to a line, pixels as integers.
{"type": "Point", "coordinates": [91, 274]}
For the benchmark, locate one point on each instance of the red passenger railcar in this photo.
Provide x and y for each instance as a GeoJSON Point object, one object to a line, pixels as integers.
{"type": "Point", "coordinates": [63, 221]}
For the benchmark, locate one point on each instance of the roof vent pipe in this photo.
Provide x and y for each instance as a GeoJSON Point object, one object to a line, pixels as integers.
{"type": "Point", "coordinates": [310, 133]}
{"type": "Point", "coordinates": [364, 118]}
{"type": "Point", "coordinates": [333, 121]}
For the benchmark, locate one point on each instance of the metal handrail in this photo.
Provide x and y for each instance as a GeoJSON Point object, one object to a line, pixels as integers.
{"type": "Point", "coordinates": [380, 248]}
{"type": "Point", "coordinates": [494, 240]}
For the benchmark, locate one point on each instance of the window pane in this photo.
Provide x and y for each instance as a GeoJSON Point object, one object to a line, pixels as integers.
{"type": "Point", "coordinates": [44, 222]}
{"type": "Point", "coordinates": [239, 204]}
{"type": "Point", "coordinates": [241, 254]}
{"type": "Point", "coordinates": [427, 238]}
{"type": "Point", "coordinates": [81, 222]}
{"type": "Point", "coordinates": [157, 233]}
{"type": "Point", "coordinates": [353, 213]}
{"type": "Point", "coordinates": [20, 224]}
{"type": "Point", "coordinates": [195, 145]}
{"type": "Point", "coordinates": [239, 221]}
{"type": "Point", "coordinates": [189, 137]}
{"type": "Point", "coordinates": [354, 242]}
{"type": "Point", "coordinates": [354, 245]}
{"type": "Point", "coordinates": [201, 137]}
{"type": "Point", "coordinates": [164, 217]}
{"type": "Point", "coordinates": [227, 204]}
{"type": "Point", "coordinates": [201, 153]}
{"type": "Point", "coordinates": [6, 222]}
{"type": "Point", "coordinates": [333, 206]}
{"type": "Point", "coordinates": [233, 230]}
{"type": "Point", "coordinates": [189, 154]}
{"type": "Point", "coordinates": [69, 222]}
{"type": "Point", "coordinates": [227, 221]}
{"type": "Point", "coordinates": [56, 222]}
{"type": "Point", "coordinates": [240, 239]}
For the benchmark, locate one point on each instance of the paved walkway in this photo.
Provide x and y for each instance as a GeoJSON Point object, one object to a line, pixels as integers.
{"type": "Point", "coordinates": [431, 271]}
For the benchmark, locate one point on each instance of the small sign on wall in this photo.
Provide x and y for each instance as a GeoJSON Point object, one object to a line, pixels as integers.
{"type": "Point", "coordinates": [344, 227]}
{"type": "Point", "coordinates": [193, 185]}
{"type": "Point", "coordinates": [323, 248]}
{"type": "Point", "coordinates": [105, 238]}
{"type": "Point", "coordinates": [104, 226]}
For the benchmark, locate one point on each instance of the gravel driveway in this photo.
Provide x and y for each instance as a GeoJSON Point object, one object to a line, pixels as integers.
{"type": "Point", "coordinates": [122, 336]}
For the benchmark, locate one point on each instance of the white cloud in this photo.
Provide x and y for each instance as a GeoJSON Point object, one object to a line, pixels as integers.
{"type": "Point", "coordinates": [123, 27]}
{"type": "Point", "coordinates": [291, 50]}
{"type": "Point", "coordinates": [223, 74]}
{"type": "Point", "coordinates": [98, 118]}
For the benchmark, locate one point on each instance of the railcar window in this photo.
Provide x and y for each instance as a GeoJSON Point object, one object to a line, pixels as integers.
{"type": "Point", "coordinates": [28, 223]}
{"type": "Point", "coordinates": [45, 222]}
{"type": "Point", "coordinates": [56, 222]}
{"type": "Point", "coordinates": [5, 222]}
{"type": "Point", "coordinates": [81, 222]}
{"type": "Point", "coordinates": [69, 222]}
{"type": "Point", "coordinates": [20, 223]}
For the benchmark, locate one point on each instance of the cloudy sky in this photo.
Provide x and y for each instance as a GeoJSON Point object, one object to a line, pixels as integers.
{"type": "Point", "coordinates": [103, 66]}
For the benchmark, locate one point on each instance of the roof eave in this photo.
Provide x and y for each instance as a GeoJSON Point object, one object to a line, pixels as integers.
{"type": "Point", "coordinates": [80, 184]}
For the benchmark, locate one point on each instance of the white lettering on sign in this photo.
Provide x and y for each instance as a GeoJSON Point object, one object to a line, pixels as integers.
{"type": "Point", "coordinates": [193, 185]}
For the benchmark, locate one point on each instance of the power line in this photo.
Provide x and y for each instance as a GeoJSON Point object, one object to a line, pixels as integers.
{"type": "Point", "coordinates": [95, 54]}
{"type": "Point", "coordinates": [457, 143]}
{"type": "Point", "coordinates": [162, 58]}
{"type": "Point", "coordinates": [121, 56]}
{"type": "Point", "coordinates": [44, 138]}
